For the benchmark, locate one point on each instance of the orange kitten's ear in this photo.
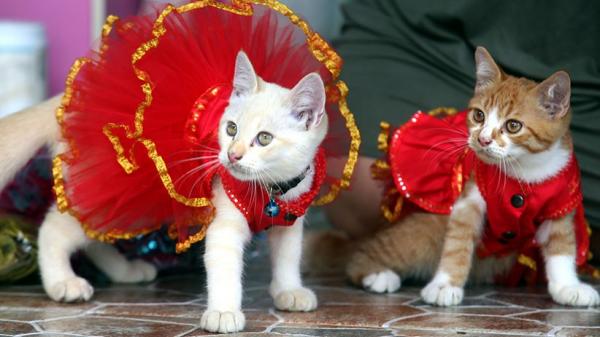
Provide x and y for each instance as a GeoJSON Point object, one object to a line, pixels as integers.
{"type": "Point", "coordinates": [555, 94]}
{"type": "Point", "coordinates": [488, 71]}
{"type": "Point", "coordinates": [245, 80]}
{"type": "Point", "coordinates": [308, 100]}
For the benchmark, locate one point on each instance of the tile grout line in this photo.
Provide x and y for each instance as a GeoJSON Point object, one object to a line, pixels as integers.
{"type": "Point", "coordinates": [387, 324]}
{"type": "Point", "coordinates": [279, 318]}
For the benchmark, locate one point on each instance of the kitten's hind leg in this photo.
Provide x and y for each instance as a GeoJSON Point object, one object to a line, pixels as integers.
{"type": "Point", "coordinates": [370, 272]}
{"type": "Point", "coordinates": [60, 235]}
{"type": "Point", "coordinates": [286, 287]}
{"type": "Point", "coordinates": [410, 248]}
{"type": "Point", "coordinates": [108, 259]}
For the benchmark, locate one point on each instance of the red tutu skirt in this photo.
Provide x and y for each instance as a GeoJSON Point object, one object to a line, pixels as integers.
{"type": "Point", "coordinates": [140, 114]}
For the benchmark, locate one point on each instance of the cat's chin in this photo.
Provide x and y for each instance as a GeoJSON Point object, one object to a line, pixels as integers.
{"type": "Point", "coordinates": [240, 173]}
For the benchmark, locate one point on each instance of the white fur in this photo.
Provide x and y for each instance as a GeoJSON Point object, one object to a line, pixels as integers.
{"type": "Point", "coordinates": [537, 167]}
{"type": "Point", "coordinates": [274, 109]}
{"type": "Point", "coordinates": [61, 235]}
{"type": "Point", "coordinates": [225, 240]}
{"type": "Point", "coordinates": [382, 282]}
{"type": "Point", "coordinates": [564, 286]}
{"type": "Point", "coordinates": [440, 292]}
{"type": "Point", "coordinates": [492, 122]}
{"type": "Point", "coordinates": [296, 137]}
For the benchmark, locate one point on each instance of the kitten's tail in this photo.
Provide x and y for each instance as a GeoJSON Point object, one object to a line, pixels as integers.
{"type": "Point", "coordinates": [22, 134]}
{"type": "Point", "coordinates": [326, 253]}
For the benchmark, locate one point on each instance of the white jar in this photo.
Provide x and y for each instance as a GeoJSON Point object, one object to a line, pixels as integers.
{"type": "Point", "coordinates": [22, 65]}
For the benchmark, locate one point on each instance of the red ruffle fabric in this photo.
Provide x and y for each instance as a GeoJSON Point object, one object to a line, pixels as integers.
{"type": "Point", "coordinates": [189, 74]}
{"type": "Point", "coordinates": [430, 163]}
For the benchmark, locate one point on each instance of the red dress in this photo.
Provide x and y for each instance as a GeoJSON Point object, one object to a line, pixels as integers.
{"type": "Point", "coordinates": [429, 164]}
{"type": "Point", "coordinates": [140, 116]}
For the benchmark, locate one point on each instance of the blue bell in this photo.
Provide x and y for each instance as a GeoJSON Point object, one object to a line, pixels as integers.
{"type": "Point", "coordinates": [272, 209]}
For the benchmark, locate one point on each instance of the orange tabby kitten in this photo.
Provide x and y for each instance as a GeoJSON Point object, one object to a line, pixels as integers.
{"type": "Point", "coordinates": [511, 120]}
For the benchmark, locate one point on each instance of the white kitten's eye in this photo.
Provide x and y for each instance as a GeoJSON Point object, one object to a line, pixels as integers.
{"type": "Point", "coordinates": [231, 129]}
{"type": "Point", "coordinates": [264, 138]}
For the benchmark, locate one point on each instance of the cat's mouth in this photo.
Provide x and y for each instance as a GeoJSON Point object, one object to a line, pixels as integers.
{"type": "Point", "coordinates": [488, 155]}
{"type": "Point", "coordinates": [241, 172]}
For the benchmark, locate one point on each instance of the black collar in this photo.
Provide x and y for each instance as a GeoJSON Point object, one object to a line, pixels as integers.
{"type": "Point", "coordinates": [282, 188]}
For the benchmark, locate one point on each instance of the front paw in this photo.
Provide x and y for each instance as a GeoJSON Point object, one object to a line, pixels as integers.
{"type": "Point", "coordinates": [223, 321]}
{"type": "Point", "coordinates": [74, 289]}
{"type": "Point", "coordinates": [578, 295]}
{"type": "Point", "coordinates": [301, 299]}
{"type": "Point", "coordinates": [382, 282]}
{"type": "Point", "coordinates": [442, 294]}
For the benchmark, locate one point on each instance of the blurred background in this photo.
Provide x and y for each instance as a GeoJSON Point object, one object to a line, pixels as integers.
{"type": "Point", "coordinates": [39, 40]}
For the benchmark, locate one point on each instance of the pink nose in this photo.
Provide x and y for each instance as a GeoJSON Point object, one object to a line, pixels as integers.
{"type": "Point", "coordinates": [483, 141]}
{"type": "Point", "coordinates": [234, 157]}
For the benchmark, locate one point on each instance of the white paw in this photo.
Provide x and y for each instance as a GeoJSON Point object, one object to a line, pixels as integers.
{"type": "Point", "coordinates": [301, 299]}
{"type": "Point", "coordinates": [383, 282]}
{"type": "Point", "coordinates": [442, 294]}
{"type": "Point", "coordinates": [137, 271]}
{"type": "Point", "coordinates": [223, 321]}
{"type": "Point", "coordinates": [579, 295]}
{"type": "Point", "coordinates": [74, 289]}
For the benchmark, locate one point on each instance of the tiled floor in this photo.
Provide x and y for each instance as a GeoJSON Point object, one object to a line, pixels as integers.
{"type": "Point", "coordinates": [172, 306]}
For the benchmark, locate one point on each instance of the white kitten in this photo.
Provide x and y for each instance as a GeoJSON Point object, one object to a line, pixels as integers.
{"type": "Point", "coordinates": [277, 134]}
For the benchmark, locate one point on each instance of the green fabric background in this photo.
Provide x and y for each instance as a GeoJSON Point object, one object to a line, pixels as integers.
{"type": "Point", "coordinates": [402, 56]}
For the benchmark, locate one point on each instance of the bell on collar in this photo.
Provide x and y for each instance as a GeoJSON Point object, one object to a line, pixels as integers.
{"type": "Point", "coordinates": [272, 209]}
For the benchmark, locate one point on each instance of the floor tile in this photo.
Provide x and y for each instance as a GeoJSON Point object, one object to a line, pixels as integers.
{"type": "Point", "coordinates": [472, 323]}
{"type": "Point", "coordinates": [118, 327]}
{"type": "Point", "coordinates": [13, 328]}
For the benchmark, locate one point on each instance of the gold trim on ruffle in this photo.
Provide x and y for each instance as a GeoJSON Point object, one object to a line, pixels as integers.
{"type": "Point", "coordinates": [320, 49]}
{"type": "Point", "coordinates": [66, 101]}
{"type": "Point", "coordinates": [442, 111]}
{"type": "Point", "coordinates": [527, 261]}
{"type": "Point", "coordinates": [392, 215]}
{"type": "Point", "coordinates": [348, 170]}
{"type": "Point", "coordinates": [181, 247]}
{"type": "Point", "coordinates": [381, 170]}
{"type": "Point", "coordinates": [63, 205]}
{"type": "Point", "coordinates": [383, 138]}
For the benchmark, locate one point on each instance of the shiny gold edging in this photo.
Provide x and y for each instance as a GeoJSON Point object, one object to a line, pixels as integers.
{"type": "Point", "coordinates": [527, 261]}
{"type": "Point", "coordinates": [320, 49]}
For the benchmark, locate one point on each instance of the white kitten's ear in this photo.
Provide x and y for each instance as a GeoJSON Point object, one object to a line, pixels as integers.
{"type": "Point", "coordinates": [488, 71]}
{"type": "Point", "coordinates": [245, 80]}
{"type": "Point", "coordinates": [555, 94]}
{"type": "Point", "coordinates": [308, 100]}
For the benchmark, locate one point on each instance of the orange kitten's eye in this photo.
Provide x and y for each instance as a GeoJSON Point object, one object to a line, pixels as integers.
{"type": "Point", "coordinates": [478, 116]}
{"type": "Point", "coordinates": [513, 126]}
